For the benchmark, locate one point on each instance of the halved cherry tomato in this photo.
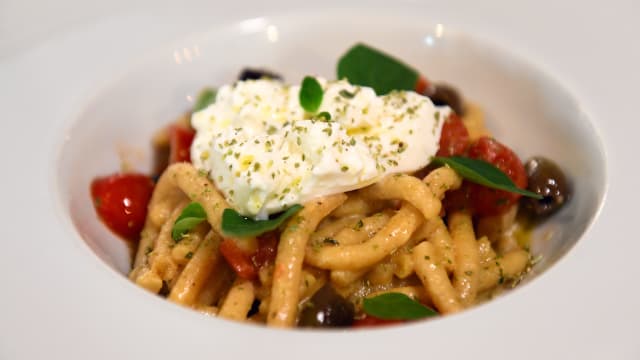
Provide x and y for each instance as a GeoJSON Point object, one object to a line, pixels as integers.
{"type": "Point", "coordinates": [121, 202]}
{"type": "Point", "coordinates": [267, 249]}
{"type": "Point", "coordinates": [486, 201]}
{"type": "Point", "coordinates": [180, 139]}
{"type": "Point", "coordinates": [422, 85]}
{"type": "Point", "coordinates": [239, 261]}
{"type": "Point", "coordinates": [369, 321]}
{"type": "Point", "coordinates": [454, 138]}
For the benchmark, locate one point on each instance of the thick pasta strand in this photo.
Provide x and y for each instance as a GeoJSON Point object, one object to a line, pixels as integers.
{"type": "Point", "coordinates": [288, 265]}
{"type": "Point", "coordinates": [353, 257]}
{"type": "Point", "coordinates": [197, 270]}
{"type": "Point", "coordinates": [219, 281]}
{"type": "Point", "coordinates": [357, 205]}
{"type": "Point", "coordinates": [467, 257]}
{"type": "Point", "coordinates": [442, 180]}
{"type": "Point", "coordinates": [435, 279]}
{"type": "Point", "coordinates": [343, 278]}
{"type": "Point", "coordinates": [509, 266]}
{"type": "Point", "coordinates": [159, 266]}
{"type": "Point", "coordinates": [238, 302]}
{"type": "Point", "coordinates": [408, 188]}
{"type": "Point", "coordinates": [363, 229]}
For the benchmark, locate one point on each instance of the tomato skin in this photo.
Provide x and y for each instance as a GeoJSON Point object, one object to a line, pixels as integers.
{"type": "Point", "coordinates": [180, 139]}
{"type": "Point", "coordinates": [422, 85]}
{"type": "Point", "coordinates": [267, 249]}
{"type": "Point", "coordinates": [454, 138]}
{"type": "Point", "coordinates": [486, 201]}
{"type": "Point", "coordinates": [372, 321]}
{"type": "Point", "coordinates": [239, 261]}
{"type": "Point", "coordinates": [121, 202]}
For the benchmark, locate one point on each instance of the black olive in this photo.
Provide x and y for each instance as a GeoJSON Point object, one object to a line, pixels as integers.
{"type": "Point", "coordinates": [255, 74]}
{"type": "Point", "coordinates": [545, 178]}
{"type": "Point", "coordinates": [447, 95]}
{"type": "Point", "coordinates": [327, 308]}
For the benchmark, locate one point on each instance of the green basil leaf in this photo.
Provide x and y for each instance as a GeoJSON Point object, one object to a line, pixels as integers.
{"type": "Point", "coordinates": [366, 66]}
{"type": "Point", "coordinates": [192, 215]}
{"type": "Point", "coordinates": [396, 306]}
{"type": "Point", "coordinates": [206, 97]}
{"type": "Point", "coordinates": [311, 94]}
{"type": "Point", "coordinates": [483, 173]}
{"type": "Point", "coordinates": [234, 224]}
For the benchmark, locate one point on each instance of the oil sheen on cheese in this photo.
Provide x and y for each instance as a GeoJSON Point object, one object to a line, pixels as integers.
{"type": "Point", "coordinates": [265, 153]}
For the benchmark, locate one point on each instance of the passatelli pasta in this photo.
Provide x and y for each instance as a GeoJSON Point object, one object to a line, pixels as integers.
{"type": "Point", "coordinates": [373, 246]}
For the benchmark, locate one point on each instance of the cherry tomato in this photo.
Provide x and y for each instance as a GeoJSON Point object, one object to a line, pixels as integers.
{"type": "Point", "coordinates": [422, 85]}
{"type": "Point", "coordinates": [370, 321]}
{"type": "Point", "coordinates": [454, 138]}
{"type": "Point", "coordinates": [486, 201]}
{"type": "Point", "coordinates": [121, 202]}
{"type": "Point", "coordinates": [239, 261]}
{"type": "Point", "coordinates": [267, 249]}
{"type": "Point", "coordinates": [180, 139]}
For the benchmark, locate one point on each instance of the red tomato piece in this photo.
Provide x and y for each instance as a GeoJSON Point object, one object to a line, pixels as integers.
{"type": "Point", "coordinates": [370, 321]}
{"type": "Point", "coordinates": [267, 249]}
{"type": "Point", "coordinates": [121, 202]}
{"type": "Point", "coordinates": [486, 201]}
{"type": "Point", "coordinates": [239, 261]}
{"type": "Point", "coordinates": [422, 85]}
{"type": "Point", "coordinates": [454, 138]}
{"type": "Point", "coordinates": [180, 139]}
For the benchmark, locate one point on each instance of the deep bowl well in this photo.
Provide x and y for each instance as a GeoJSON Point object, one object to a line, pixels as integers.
{"type": "Point", "coordinates": [526, 108]}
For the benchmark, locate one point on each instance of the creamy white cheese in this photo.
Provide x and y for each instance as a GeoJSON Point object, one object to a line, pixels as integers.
{"type": "Point", "coordinates": [264, 153]}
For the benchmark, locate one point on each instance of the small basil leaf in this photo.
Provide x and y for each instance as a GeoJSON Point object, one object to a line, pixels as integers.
{"type": "Point", "coordinates": [366, 66]}
{"type": "Point", "coordinates": [192, 215]}
{"type": "Point", "coordinates": [396, 306]}
{"type": "Point", "coordinates": [234, 224]}
{"type": "Point", "coordinates": [206, 97]}
{"type": "Point", "coordinates": [483, 173]}
{"type": "Point", "coordinates": [311, 94]}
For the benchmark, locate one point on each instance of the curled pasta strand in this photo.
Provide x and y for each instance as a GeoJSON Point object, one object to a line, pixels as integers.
{"type": "Point", "coordinates": [238, 301]}
{"type": "Point", "coordinates": [288, 265]}
{"type": "Point", "coordinates": [158, 266]}
{"type": "Point", "coordinates": [407, 188]}
{"type": "Point", "coordinates": [196, 272]}
{"type": "Point", "coordinates": [356, 205]}
{"type": "Point", "coordinates": [467, 257]}
{"type": "Point", "coordinates": [509, 266]}
{"type": "Point", "coordinates": [354, 257]}
{"type": "Point", "coordinates": [435, 279]}
{"type": "Point", "coordinates": [442, 180]}
{"type": "Point", "coordinates": [362, 230]}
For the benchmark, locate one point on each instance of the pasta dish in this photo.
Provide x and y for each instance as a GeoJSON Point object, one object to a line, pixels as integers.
{"type": "Point", "coordinates": [374, 199]}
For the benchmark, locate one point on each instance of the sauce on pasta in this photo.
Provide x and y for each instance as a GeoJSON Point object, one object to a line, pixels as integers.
{"type": "Point", "coordinates": [392, 247]}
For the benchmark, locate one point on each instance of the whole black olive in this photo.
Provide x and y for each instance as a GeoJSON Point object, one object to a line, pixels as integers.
{"type": "Point", "coordinates": [327, 308]}
{"type": "Point", "coordinates": [447, 95]}
{"type": "Point", "coordinates": [255, 74]}
{"type": "Point", "coordinates": [545, 178]}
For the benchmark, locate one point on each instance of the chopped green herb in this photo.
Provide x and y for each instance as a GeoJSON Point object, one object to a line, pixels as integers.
{"type": "Point", "coordinates": [192, 215]}
{"type": "Point", "coordinates": [311, 94]}
{"type": "Point", "coordinates": [346, 94]}
{"type": "Point", "coordinates": [483, 173]}
{"type": "Point", "coordinates": [396, 306]}
{"type": "Point", "coordinates": [331, 241]}
{"type": "Point", "coordinates": [324, 116]}
{"type": "Point", "coordinates": [234, 224]}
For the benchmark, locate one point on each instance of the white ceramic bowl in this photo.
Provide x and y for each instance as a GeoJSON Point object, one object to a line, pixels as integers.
{"type": "Point", "coordinates": [526, 108]}
{"type": "Point", "coordinates": [75, 94]}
